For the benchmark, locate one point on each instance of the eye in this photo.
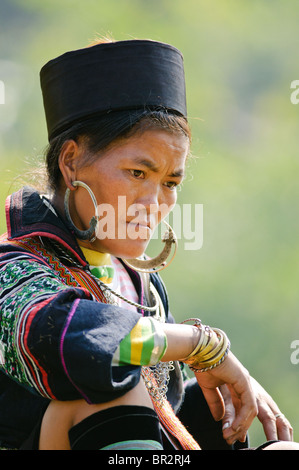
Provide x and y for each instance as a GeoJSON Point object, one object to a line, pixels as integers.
{"type": "Point", "coordinates": [171, 184]}
{"type": "Point", "coordinates": [137, 174]}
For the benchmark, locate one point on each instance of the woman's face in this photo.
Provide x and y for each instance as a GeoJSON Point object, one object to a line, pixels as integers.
{"type": "Point", "coordinates": [134, 182]}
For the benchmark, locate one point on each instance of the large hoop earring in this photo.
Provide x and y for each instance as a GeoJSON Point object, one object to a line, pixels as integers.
{"type": "Point", "coordinates": [89, 234]}
{"type": "Point", "coordinates": [159, 262]}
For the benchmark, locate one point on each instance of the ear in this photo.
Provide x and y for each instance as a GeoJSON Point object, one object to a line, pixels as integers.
{"type": "Point", "coordinates": [68, 160]}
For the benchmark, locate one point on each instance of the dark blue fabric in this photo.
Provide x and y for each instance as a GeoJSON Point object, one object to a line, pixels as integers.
{"type": "Point", "coordinates": [91, 337]}
{"type": "Point", "coordinates": [86, 82]}
{"type": "Point", "coordinates": [19, 412]}
{"type": "Point", "coordinates": [82, 367]}
{"type": "Point", "coordinates": [28, 214]}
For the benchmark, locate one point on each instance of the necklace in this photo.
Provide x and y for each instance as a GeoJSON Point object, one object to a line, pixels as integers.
{"type": "Point", "coordinates": [61, 253]}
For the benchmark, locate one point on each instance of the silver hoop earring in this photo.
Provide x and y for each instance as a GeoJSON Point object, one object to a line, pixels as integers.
{"type": "Point", "coordinates": [89, 234]}
{"type": "Point", "coordinates": [159, 262]}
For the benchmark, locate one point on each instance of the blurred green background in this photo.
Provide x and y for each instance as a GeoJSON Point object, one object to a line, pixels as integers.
{"type": "Point", "coordinates": [240, 59]}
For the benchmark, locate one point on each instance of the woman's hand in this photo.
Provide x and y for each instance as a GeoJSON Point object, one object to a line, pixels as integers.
{"type": "Point", "coordinates": [243, 406]}
{"type": "Point", "coordinates": [275, 425]}
{"type": "Point", "coordinates": [181, 340]}
{"type": "Point", "coordinates": [240, 401]}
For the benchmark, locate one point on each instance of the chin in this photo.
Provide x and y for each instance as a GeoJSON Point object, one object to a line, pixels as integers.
{"type": "Point", "coordinates": [127, 249]}
{"type": "Point", "coordinates": [134, 252]}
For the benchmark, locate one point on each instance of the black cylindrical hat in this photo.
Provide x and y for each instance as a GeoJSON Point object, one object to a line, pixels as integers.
{"type": "Point", "coordinates": [132, 74]}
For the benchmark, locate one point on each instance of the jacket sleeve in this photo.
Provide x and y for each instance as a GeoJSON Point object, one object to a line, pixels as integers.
{"type": "Point", "coordinates": [56, 340]}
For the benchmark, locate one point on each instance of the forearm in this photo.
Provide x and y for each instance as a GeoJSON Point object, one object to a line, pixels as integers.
{"type": "Point", "coordinates": [181, 341]}
{"type": "Point", "coordinates": [201, 347]}
{"type": "Point", "coordinates": [150, 342]}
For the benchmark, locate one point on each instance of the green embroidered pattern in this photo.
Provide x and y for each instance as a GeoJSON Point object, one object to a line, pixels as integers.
{"type": "Point", "coordinates": [23, 283]}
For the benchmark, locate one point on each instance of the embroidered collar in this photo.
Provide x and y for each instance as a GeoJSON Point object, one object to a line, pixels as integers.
{"type": "Point", "coordinates": [30, 214]}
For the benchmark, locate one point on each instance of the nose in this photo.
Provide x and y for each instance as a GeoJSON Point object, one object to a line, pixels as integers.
{"type": "Point", "coordinates": [146, 206]}
{"type": "Point", "coordinates": [150, 198]}
{"type": "Point", "coordinates": [154, 203]}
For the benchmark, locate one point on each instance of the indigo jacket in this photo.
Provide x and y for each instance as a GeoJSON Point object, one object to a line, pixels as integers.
{"type": "Point", "coordinates": [57, 333]}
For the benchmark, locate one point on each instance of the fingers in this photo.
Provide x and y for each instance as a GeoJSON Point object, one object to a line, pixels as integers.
{"type": "Point", "coordinates": [230, 412]}
{"type": "Point", "coordinates": [269, 425]}
{"type": "Point", "coordinates": [235, 428]}
{"type": "Point", "coordinates": [276, 426]}
{"type": "Point", "coordinates": [236, 377]}
{"type": "Point", "coordinates": [229, 416]}
{"type": "Point", "coordinates": [215, 402]}
{"type": "Point", "coordinates": [231, 436]}
{"type": "Point", "coordinates": [238, 416]}
{"type": "Point", "coordinates": [233, 432]}
{"type": "Point", "coordinates": [284, 428]}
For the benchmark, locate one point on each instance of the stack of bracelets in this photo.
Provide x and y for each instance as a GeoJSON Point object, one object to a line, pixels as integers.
{"type": "Point", "coordinates": [211, 350]}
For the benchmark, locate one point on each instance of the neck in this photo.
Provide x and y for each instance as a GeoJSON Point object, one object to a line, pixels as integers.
{"type": "Point", "coordinates": [57, 202]}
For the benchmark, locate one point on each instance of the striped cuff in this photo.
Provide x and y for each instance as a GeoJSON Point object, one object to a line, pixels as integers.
{"type": "Point", "coordinates": [143, 346]}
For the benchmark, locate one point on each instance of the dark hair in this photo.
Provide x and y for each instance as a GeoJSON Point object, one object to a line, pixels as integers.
{"type": "Point", "coordinates": [98, 133]}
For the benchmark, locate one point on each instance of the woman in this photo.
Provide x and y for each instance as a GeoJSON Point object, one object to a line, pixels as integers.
{"type": "Point", "coordinates": [91, 352]}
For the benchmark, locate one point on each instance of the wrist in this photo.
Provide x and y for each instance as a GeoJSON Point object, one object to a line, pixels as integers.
{"type": "Point", "coordinates": [211, 349]}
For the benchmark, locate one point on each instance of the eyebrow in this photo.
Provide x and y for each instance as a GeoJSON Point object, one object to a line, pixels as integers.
{"type": "Point", "coordinates": [151, 166]}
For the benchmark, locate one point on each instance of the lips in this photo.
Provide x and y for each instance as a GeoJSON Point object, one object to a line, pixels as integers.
{"type": "Point", "coordinates": [149, 223]}
{"type": "Point", "coordinates": [137, 230]}
{"type": "Point", "coordinates": [138, 225]}
{"type": "Point", "coordinates": [141, 224]}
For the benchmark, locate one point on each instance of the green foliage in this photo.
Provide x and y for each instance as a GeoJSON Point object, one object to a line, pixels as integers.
{"type": "Point", "coordinates": [240, 59]}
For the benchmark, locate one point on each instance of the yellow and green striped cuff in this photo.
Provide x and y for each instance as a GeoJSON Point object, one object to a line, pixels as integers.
{"type": "Point", "coordinates": [143, 346]}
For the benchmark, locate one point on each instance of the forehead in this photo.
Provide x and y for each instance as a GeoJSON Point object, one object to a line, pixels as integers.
{"type": "Point", "coordinates": [160, 146]}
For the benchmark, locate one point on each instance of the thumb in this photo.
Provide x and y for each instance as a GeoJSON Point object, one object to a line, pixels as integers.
{"type": "Point", "coordinates": [230, 412]}
{"type": "Point", "coordinates": [228, 419]}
